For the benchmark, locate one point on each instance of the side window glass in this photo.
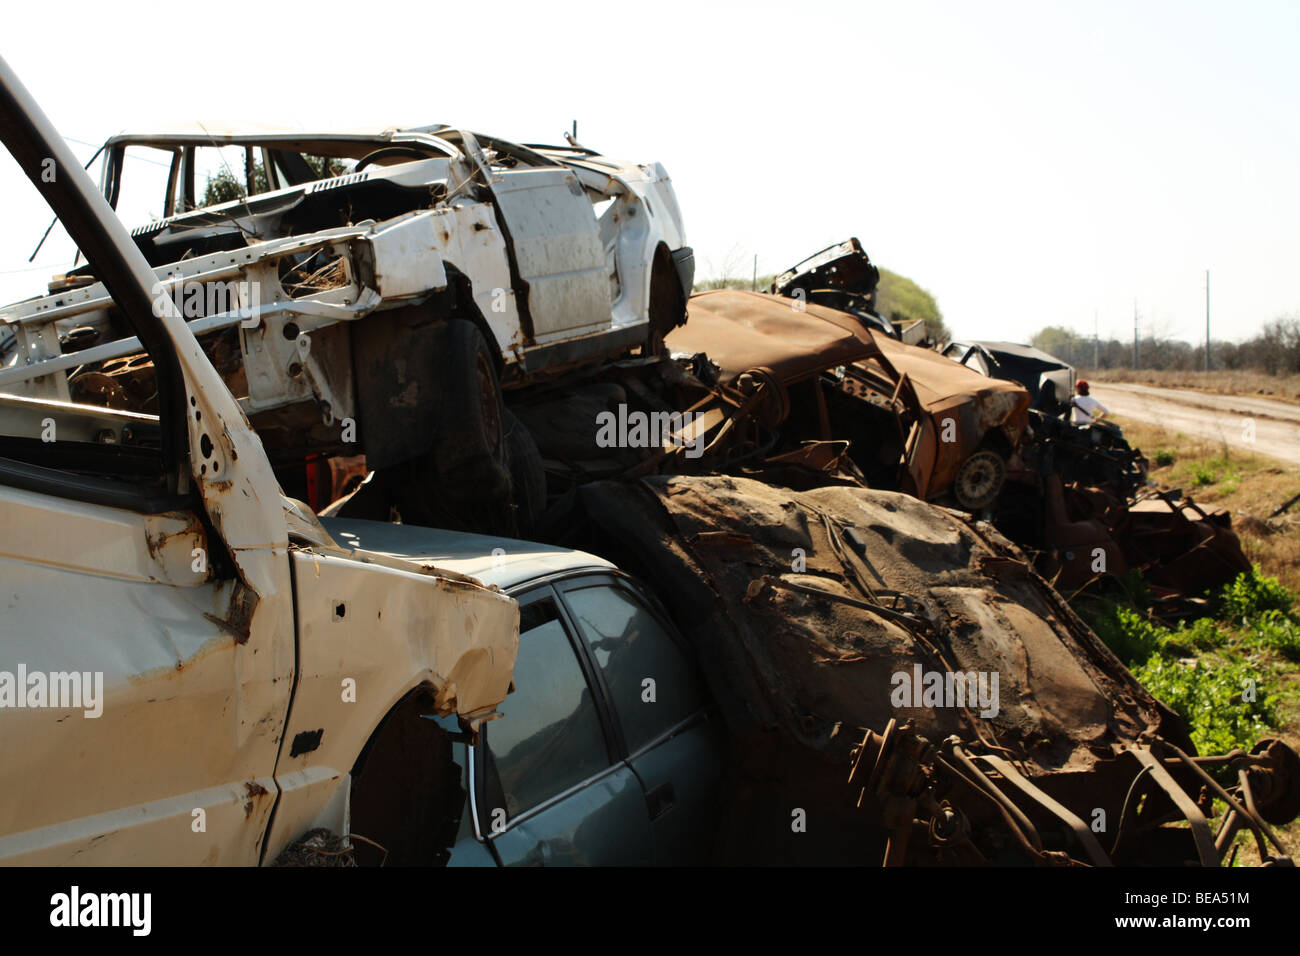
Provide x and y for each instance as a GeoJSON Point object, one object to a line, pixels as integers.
{"type": "Point", "coordinates": [651, 684]}
{"type": "Point", "coordinates": [549, 736]}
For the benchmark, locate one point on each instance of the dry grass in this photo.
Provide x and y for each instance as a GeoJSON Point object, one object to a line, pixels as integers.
{"type": "Point", "coordinates": [1282, 388]}
{"type": "Point", "coordinates": [1250, 486]}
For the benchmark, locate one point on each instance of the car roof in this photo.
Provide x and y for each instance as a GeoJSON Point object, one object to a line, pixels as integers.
{"type": "Point", "coordinates": [222, 133]}
{"type": "Point", "coordinates": [519, 562]}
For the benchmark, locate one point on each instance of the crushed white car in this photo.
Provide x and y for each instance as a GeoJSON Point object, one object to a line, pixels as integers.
{"type": "Point", "coordinates": [370, 294]}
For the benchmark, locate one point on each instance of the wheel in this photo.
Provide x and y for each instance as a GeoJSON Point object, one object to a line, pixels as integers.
{"type": "Point", "coordinates": [469, 442]}
{"type": "Point", "coordinates": [667, 304]}
{"type": "Point", "coordinates": [527, 479]}
{"type": "Point", "coordinates": [979, 480]}
{"type": "Point", "coordinates": [462, 482]}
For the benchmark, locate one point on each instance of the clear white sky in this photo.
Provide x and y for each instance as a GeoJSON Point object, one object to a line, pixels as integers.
{"type": "Point", "coordinates": [1027, 163]}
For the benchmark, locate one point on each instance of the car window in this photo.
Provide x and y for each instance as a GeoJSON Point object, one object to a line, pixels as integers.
{"type": "Point", "coordinates": [93, 420]}
{"type": "Point", "coordinates": [650, 682]}
{"type": "Point", "coordinates": [549, 736]}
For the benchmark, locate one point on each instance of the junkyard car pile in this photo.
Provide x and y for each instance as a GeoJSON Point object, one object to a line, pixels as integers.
{"type": "Point", "coordinates": [757, 590]}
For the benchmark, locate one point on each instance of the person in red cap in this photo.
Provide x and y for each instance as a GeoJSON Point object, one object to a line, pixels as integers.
{"type": "Point", "coordinates": [1086, 408]}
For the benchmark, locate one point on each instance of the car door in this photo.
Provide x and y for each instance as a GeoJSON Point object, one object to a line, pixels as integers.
{"type": "Point", "coordinates": [551, 787]}
{"type": "Point", "coordinates": [661, 708]}
{"type": "Point", "coordinates": [143, 686]}
{"type": "Point", "coordinates": [555, 246]}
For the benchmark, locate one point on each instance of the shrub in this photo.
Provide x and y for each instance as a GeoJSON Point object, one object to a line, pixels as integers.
{"type": "Point", "coordinates": [1204, 634]}
{"type": "Point", "coordinates": [1129, 634]}
{"type": "Point", "coordinates": [1253, 593]}
{"type": "Point", "coordinates": [1275, 630]}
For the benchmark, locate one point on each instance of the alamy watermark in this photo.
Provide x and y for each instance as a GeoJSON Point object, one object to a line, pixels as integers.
{"type": "Point", "coordinates": [61, 690]}
{"type": "Point", "coordinates": [921, 688]}
{"type": "Point", "coordinates": [636, 429]}
{"type": "Point", "coordinates": [197, 299]}
{"type": "Point", "coordinates": [75, 908]}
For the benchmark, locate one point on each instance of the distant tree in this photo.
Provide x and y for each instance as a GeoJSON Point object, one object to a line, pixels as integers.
{"type": "Point", "coordinates": [222, 186]}
{"type": "Point", "coordinates": [327, 167]}
{"type": "Point", "coordinates": [900, 299]}
{"type": "Point", "coordinates": [1275, 350]}
{"type": "Point", "coordinates": [735, 282]}
{"type": "Point", "coordinates": [1065, 344]}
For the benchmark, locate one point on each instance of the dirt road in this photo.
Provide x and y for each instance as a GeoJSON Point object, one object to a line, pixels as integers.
{"type": "Point", "coordinates": [1236, 419]}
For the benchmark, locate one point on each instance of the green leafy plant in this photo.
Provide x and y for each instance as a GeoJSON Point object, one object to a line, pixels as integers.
{"type": "Point", "coordinates": [1253, 593]}
{"type": "Point", "coordinates": [1130, 634]}
{"type": "Point", "coordinates": [1276, 631]}
{"type": "Point", "coordinates": [1213, 699]}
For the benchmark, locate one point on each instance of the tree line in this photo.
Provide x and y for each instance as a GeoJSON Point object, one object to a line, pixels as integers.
{"type": "Point", "coordinates": [1275, 350]}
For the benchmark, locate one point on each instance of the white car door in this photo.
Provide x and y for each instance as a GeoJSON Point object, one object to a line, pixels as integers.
{"type": "Point", "coordinates": [141, 700]}
{"type": "Point", "coordinates": [556, 247]}
{"type": "Point", "coordinates": [143, 684]}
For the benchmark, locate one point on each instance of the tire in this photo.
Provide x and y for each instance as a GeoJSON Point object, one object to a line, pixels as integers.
{"type": "Point", "coordinates": [463, 482]}
{"type": "Point", "coordinates": [470, 434]}
{"type": "Point", "coordinates": [979, 480]}
{"type": "Point", "coordinates": [527, 479]}
{"type": "Point", "coordinates": [667, 304]}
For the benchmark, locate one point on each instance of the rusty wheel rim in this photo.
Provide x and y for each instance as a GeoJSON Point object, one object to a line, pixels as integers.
{"type": "Point", "coordinates": [977, 482]}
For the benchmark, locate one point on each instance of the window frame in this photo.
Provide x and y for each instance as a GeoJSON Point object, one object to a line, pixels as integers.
{"type": "Point", "coordinates": [555, 586]}
{"type": "Point", "coordinates": [485, 779]}
{"type": "Point", "coordinates": [102, 239]}
{"type": "Point", "coordinates": [622, 582]}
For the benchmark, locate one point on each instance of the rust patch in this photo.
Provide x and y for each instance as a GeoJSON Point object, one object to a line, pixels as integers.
{"type": "Point", "coordinates": [238, 620]}
{"type": "Point", "coordinates": [155, 543]}
{"type": "Point", "coordinates": [254, 791]}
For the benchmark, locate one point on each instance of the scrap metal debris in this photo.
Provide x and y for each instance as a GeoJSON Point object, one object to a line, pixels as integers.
{"type": "Point", "coordinates": [992, 725]}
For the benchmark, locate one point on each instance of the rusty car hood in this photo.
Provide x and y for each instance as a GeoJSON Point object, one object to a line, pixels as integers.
{"type": "Point", "coordinates": [744, 330]}
{"type": "Point", "coordinates": [941, 384]}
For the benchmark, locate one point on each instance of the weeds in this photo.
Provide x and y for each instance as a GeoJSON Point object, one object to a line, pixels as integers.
{"type": "Point", "coordinates": [1253, 593]}
{"type": "Point", "coordinates": [1222, 703]}
{"type": "Point", "coordinates": [1212, 671]}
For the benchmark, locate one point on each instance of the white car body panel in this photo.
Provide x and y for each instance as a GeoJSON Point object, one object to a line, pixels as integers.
{"type": "Point", "coordinates": [189, 755]}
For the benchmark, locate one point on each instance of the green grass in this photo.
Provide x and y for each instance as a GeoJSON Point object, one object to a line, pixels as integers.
{"type": "Point", "coordinates": [1223, 674]}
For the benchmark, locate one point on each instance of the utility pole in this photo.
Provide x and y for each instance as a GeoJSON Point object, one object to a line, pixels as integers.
{"type": "Point", "coordinates": [753, 285]}
{"type": "Point", "coordinates": [1207, 320]}
{"type": "Point", "coordinates": [1096, 343]}
{"type": "Point", "coordinates": [1135, 334]}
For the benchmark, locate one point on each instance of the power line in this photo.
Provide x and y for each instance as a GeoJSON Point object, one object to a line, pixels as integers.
{"type": "Point", "coordinates": [129, 155]}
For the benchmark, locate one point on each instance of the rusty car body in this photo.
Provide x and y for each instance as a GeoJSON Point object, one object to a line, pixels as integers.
{"type": "Point", "coordinates": [1080, 501]}
{"type": "Point", "coordinates": [914, 420]}
{"type": "Point", "coordinates": [820, 614]}
{"type": "Point", "coordinates": [842, 277]}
